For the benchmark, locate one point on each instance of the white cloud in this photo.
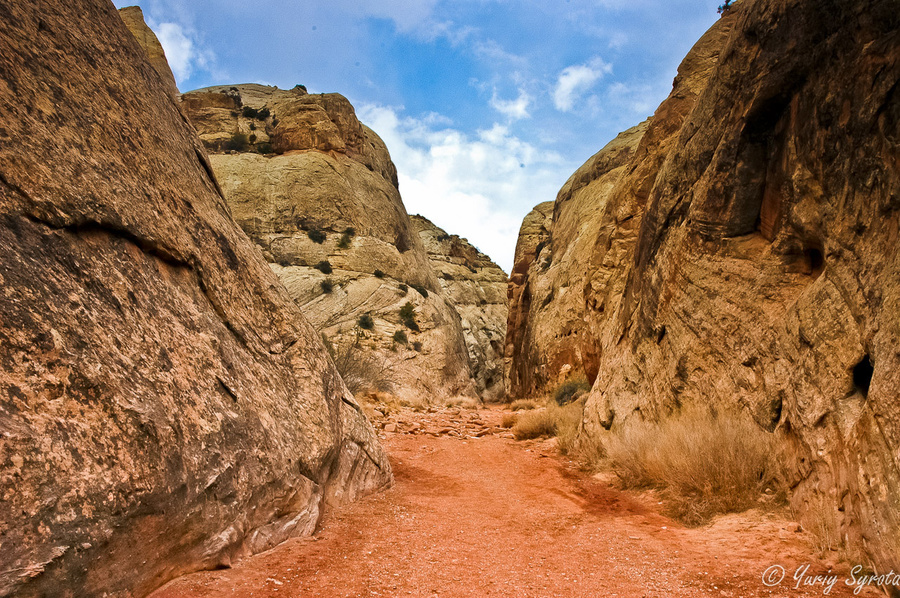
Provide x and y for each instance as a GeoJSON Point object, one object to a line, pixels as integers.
{"type": "Point", "coordinates": [477, 186]}
{"type": "Point", "coordinates": [513, 109]}
{"type": "Point", "coordinates": [183, 51]}
{"type": "Point", "coordinates": [574, 81]}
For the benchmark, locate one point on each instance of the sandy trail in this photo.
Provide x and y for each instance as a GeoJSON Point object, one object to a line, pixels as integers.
{"type": "Point", "coordinates": [489, 516]}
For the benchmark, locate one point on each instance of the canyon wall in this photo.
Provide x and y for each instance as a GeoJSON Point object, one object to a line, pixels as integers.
{"type": "Point", "coordinates": [312, 186]}
{"type": "Point", "coordinates": [164, 406]}
{"type": "Point", "coordinates": [750, 258]}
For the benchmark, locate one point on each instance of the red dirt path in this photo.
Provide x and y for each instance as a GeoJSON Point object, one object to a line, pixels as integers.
{"type": "Point", "coordinates": [490, 516]}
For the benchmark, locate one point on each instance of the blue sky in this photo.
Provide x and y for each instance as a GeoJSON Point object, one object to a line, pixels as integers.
{"type": "Point", "coordinates": [487, 106]}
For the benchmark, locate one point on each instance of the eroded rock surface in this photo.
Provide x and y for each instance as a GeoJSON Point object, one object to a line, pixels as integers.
{"type": "Point", "coordinates": [751, 257]}
{"type": "Point", "coordinates": [164, 406]}
{"type": "Point", "coordinates": [327, 193]}
{"type": "Point", "coordinates": [476, 287]}
{"type": "Point", "coordinates": [133, 17]}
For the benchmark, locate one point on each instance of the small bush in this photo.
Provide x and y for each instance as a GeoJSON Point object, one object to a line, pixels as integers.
{"type": "Point", "coordinates": [702, 464]}
{"type": "Point", "coordinates": [522, 404]}
{"type": "Point", "coordinates": [252, 126]}
{"type": "Point", "coordinates": [570, 390]}
{"type": "Point", "coordinates": [327, 285]}
{"type": "Point", "coordinates": [249, 112]}
{"type": "Point", "coordinates": [252, 138]}
{"type": "Point", "coordinates": [509, 420]}
{"type": "Point", "coordinates": [553, 420]}
{"type": "Point", "coordinates": [403, 288]}
{"type": "Point", "coordinates": [417, 346]}
{"type": "Point", "coordinates": [350, 231]}
{"type": "Point", "coordinates": [407, 311]}
{"type": "Point", "coordinates": [298, 86]}
{"type": "Point", "coordinates": [324, 267]}
{"type": "Point", "coordinates": [378, 274]}
{"type": "Point", "coordinates": [237, 143]}
{"type": "Point", "coordinates": [534, 424]}
{"type": "Point", "coordinates": [264, 148]}
{"type": "Point", "coordinates": [421, 290]}
{"type": "Point", "coordinates": [443, 237]}
{"type": "Point", "coordinates": [344, 243]}
{"type": "Point", "coordinates": [411, 324]}
{"type": "Point", "coordinates": [362, 369]}
{"type": "Point", "coordinates": [724, 7]}
{"type": "Point", "coordinates": [284, 261]}
{"type": "Point", "coordinates": [366, 322]}
{"type": "Point", "coordinates": [263, 114]}
{"type": "Point", "coordinates": [316, 236]}
{"type": "Point", "coordinates": [400, 337]}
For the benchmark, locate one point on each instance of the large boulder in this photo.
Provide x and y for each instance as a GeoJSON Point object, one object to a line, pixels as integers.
{"type": "Point", "coordinates": [164, 406]}
{"type": "Point", "coordinates": [312, 185]}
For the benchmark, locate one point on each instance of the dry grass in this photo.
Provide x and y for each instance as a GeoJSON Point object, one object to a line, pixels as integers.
{"type": "Point", "coordinates": [509, 420]}
{"type": "Point", "coordinates": [703, 465]}
{"type": "Point", "coordinates": [522, 405]}
{"type": "Point", "coordinates": [552, 420]}
{"type": "Point", "coordinates": [462, 402]}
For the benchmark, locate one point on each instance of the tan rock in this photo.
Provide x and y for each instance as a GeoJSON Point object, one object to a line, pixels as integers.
{"type": "Point", "coordinates": [133, 17]}
{"type": "Point", "coordinates": [335, 176]}
{"type": "Point", "coordinates": [476, 288]}
{"type": "Point", "coordinates": [164, 406]}
{"type": "Point", "coordinates": [751, 258]}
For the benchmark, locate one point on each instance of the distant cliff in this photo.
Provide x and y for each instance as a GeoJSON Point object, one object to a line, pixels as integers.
{"type": "Point", "coordinates": [747, 256]}
{"type": "Point", "coordinates": [312, 186]}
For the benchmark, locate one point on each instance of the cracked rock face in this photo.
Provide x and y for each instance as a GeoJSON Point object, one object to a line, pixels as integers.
{"type": "Point", "coordinates": [313, 185]}
{"type": "Point", "coordinates": [748, 257]}
{"type": "Point", "coordinates": [164, 406]}
{"type": "Point", "coordinates": [476, 287]}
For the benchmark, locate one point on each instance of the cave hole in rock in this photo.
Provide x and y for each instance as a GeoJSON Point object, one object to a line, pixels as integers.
{"type": "Point", "coordinates": [814, 260]}
{"type": "Point", "coordinates": [862, 375]}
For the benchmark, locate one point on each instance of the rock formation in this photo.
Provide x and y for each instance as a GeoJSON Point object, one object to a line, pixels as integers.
{"type": "Point", "coordinates": [164, 406]}
{"type": "Point", "coordinates": [476, 287]}
{"type": "Point", "coordinates": [749, 256]}
{"type": "Point", "coordinates": [317, 191]}
{"type": "Point", "coordinates": [133, 17]}
{"type": "Point", "coordinates": [550, 337]}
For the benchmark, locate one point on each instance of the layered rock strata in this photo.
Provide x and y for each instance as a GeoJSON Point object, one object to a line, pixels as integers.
{"type": "Point", "coordinates": [476, 287]}
{"type": "Point", "coordinates": [164, 406]}
{"type": "Point", "coordinates": [751, 259]}
{"type": "Point", "coordinates": [317, 191]}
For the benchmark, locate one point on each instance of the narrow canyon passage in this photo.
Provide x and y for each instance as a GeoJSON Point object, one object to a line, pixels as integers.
{"type": "Point", "coordinates": [475, 513]}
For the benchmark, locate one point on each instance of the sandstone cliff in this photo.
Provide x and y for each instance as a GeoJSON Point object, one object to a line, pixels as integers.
{"type": "Point", "coordinates": [752, 258]}
{"type": "Point", "coordinates": [164, 406]}
{"type": "Point", "coordinates": [476, 287]}
{"type": "Point", "coordinates": [317, 191]}
{"type": "Point", "coordinates": [133, 17]}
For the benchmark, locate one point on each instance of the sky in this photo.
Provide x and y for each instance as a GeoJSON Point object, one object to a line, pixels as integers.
{"type": "Point", "coordinates": [486, 106]}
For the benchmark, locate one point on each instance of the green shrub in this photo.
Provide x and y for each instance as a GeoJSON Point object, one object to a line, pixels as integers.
{"type": "Point", "coordinates": [422, 290]}
{"type": "Point", "coordinates": [264, 148]}
{"type": "Point", "coordinates": [252, 126]}
{"type": "Point", "coordinates": [378, 274]}
{"type": "Point", "coordinates": [417, 346]}
{"type": "Point", "coordinates": [407, 311]}
{"type": "Point", "coordinates": [350, 231]}
{"type": "Point", "coordinates": [324, 267]}
{"type": "Point", "coordinates": [366, 322]}
{"type": "Point", "coordinates": [400, 337]}
{"type": "Point", "coordinates": [298, 86]}
{"type": "Point", "coordinates": [252, 138]}
{"type": "Point", "coordinates": [327, 285]}
{"type": "Point", "coordinates": [237, 143]}
{"type": "Point", "coordinates": [263, 114]}
{"type": "Point", "coordinates": [249, 112]}
{"type": "Point", "coordinates": [344, 243]}
{"type": "Point", "coordinates": [443, 237]}
{"type": "Point", "coordinates": [403, 288]}
{"type": "Point", "coordinates": [570, 390]}
{"type": "Point", "coordinates": [316, 236]}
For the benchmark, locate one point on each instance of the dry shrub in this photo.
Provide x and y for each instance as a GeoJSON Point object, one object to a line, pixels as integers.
{"type": "Point", "coordinates": [462, 402]}
{"type": "Point", "coordinates": [570, 390]}
{"type": "Point", "coordinates": [702, 464]}
{"type": "Point", "coordinates": [361, 368]}
{"type": "Point", "coordinates": [553, 420]}
{"type": "Point", "coordinates": [522, 404]}
{"type": "Point", "coordinates": [509, 420]}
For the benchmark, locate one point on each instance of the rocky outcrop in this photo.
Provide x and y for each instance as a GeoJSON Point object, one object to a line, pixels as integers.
{"type": "Point", "coordinates": [133, 17]}
{"type": "Point", "coordinates": [164, 406]}
{"type": "Point", "coordinates": [317, 191]}
{"type": "Point", "coordinates": [476, 287]}
{"type": "Point", "coordinates": [549, 338]}
{"type": "Point", "coordinates": [752, 258]}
